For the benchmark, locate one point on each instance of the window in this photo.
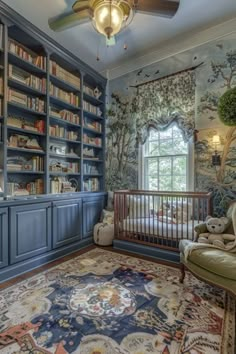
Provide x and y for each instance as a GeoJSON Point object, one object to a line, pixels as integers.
{"type": "Point", "coordinates": [166, 161]}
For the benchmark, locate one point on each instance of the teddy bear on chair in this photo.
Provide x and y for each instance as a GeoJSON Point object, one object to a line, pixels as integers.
{"type": "Point", "coordinates": [215, 234]}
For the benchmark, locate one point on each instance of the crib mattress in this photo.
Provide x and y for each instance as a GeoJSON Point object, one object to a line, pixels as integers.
{"type": "Point", "coordinates": [154, 227]}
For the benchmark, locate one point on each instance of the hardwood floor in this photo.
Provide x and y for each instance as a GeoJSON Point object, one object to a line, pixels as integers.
{"type": "Point", "coordinates": [73, 255]}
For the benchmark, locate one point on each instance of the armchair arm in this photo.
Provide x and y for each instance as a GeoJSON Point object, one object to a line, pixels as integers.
{"type": "Point", "coordinates": [200, 229]}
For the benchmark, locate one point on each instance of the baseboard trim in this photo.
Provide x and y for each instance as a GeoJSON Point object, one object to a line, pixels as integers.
{"type": "Point", "coordinates": [153, 252]}
{"type": "Point", "coordinates": [23, 267]}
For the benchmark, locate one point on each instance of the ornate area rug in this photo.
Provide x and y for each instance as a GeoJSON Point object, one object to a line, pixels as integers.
{"type": "Point", "coordinates": [105, 303]}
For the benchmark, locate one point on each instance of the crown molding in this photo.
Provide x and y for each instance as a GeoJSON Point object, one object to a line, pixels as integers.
{"type": "Point", "coordinates": [172, 47]}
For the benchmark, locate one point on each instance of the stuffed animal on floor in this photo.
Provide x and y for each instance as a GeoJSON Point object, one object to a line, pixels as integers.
{"type": "Point", "coordinates": [215, 234]}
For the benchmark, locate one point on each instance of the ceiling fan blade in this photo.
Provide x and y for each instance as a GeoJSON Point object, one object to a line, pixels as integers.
{"type": "Point", "coordinates": [81, 5]}
{"type": "Point", "coordinates": [69, 21]}
{"type": "Point", "coordinates": [165, 8]}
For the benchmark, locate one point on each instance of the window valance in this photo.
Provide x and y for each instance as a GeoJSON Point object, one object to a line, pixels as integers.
{"type": "Point", "coordinates": [163, 102]}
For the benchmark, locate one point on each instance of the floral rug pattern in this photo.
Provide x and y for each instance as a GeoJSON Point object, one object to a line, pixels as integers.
{"type": "Point", "coordinates": [106, 303]}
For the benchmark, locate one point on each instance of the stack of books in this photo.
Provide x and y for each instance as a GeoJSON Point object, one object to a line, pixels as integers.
{"type": "Point", "coordinates": [35, 187]}
{"type": "Point", "coordinates": [92, 140]}
{"type": "Point", "coordinates": [88, 123]}
{"type": "Point", "coordinates": [66, 167]}
{"type": "Point", "coordinates": [61, 185]}
{"type": "Point", "coordinates": [91, 185]}
{"type": "Point", "coordinates": [27, 54]}
{"type": "Point", "coordinates": [64, 75]}
{"type": "Point", "coordinates": [26, 78]}
{"type": "Point", "coordinates": [90, 108]}
{"type": "Point", "coordinates": [90, 169]}
{"type": "Point", "coordinates": [88, 90]}
{"type": "Point", "coordinates": [61, 132]}
{"type": "Point", "coordinates": [22, 123]}
{"type": "Point", "coordinates": [33, 103]}
{"type": "Point", "coordinates": [63, 95]}
{"type": "Point", "coordinates": [65, 115]}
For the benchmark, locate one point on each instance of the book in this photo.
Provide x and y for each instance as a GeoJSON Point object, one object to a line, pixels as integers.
{"type": "Point", "coordinates": [65, 75]}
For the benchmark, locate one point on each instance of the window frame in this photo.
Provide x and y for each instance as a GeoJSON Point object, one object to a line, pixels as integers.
{"type": "Point", "coordinates": [142, 160]}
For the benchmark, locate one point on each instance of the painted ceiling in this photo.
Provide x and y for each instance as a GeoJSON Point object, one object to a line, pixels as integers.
{"type": "Point", "coordinates": [145, 33]}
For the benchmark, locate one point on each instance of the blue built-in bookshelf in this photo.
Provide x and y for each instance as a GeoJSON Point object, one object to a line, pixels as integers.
{"type": "Point", "coordinates": [52, 115]}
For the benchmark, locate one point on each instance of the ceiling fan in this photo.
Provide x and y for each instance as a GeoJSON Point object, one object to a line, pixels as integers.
{"type": "Point", "coordinates": [109, 17]}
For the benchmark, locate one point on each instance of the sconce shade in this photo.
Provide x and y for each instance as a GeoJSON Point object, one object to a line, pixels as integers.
{"type": "Point", "coordinates": [216, 139]}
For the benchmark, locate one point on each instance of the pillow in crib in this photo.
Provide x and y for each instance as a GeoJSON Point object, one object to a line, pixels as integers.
{"type": "Point", "coordinates": [138, 207]}
{"type": "Point", "coordinates": [107, 217]}
{"type": "Point", "coordinates": [167, 220]}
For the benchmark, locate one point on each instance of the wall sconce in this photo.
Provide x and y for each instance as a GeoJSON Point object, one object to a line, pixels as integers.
{"type": "Point", "coordinates": [216, 161]}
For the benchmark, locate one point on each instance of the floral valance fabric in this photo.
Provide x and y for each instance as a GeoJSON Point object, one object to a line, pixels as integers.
{"type": "Point", "coordinates": [164, 102]}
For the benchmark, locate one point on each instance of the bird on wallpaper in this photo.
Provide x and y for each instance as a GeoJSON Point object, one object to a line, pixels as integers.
{"type": "Point", "coordinates": [157, 72]}
{"type": "Point", "coordinates": [146, 75]}
{"type": "Point", "coordinates": [140, 72]}
{"type": "Point", "coordinates": [195, 58]}
{"type": "Point", "coordinates": [211, 118]}
{"type": "Point", "coordinates": [220, 46]}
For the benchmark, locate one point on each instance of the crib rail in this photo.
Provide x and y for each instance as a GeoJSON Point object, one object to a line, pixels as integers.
{"type": "Point", "coordinates": [159, 219]}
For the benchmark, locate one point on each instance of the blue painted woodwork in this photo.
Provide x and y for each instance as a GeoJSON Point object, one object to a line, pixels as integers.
{"type": "Point", "coordinates": [148, 251]}
{"type": "Point", "coordinates": [30, 231]}
{"type": "Point", "coordinates": [67, 222]}
{"type": "Point", "coordinates": [91, 214]}
{"type": "Point", "coordinates": [3, 237]}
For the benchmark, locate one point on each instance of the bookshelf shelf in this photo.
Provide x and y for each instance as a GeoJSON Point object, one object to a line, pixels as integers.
{"type": "Point", "coordinates": [64, 139]}
{"type": "Point", "coordinates": [25, 131]}
{"type": "Point", "coordinates": [25, 88]}
{"type": "Point", "coordinates": [63, 84]}
{"type": "Point", "coordinates": [26, 172]}
{"type": "Point", "coordinates": [64, 174]}
{"type": "Point", "coordinates": [64, 122]}
{"type": "Point", "coordinates": [65, 156]}
{"type": "Point", "coordinates": [92, 99]}
{"type": "Point", "coordinates": [57, 101]}
{"type": "Point", "coordinates": [51, 92]}
{"type": "Point", "coordinates": [24, 64]}
{"type": "Point", "coordinates": [93, 146]}
{"type": "Point", "coordinates": [92, 115]}
{"type": "Point", "coordinates": [26, 151]}
{"type": "Point", "coordinates": [94, 131]}
{"type": "Point", "coordinates": [25, 109]}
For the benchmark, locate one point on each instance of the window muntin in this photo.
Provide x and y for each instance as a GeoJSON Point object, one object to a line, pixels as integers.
{"type": "Point", "coordinates": [166, 161]}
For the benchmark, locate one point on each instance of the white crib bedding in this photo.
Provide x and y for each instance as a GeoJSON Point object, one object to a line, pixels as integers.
{"type": "Point", "coordinates": [154, 227]}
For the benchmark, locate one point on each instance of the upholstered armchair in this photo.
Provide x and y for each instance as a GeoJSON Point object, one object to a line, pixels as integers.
{"type": "Point", "coordinates": [214, 266]}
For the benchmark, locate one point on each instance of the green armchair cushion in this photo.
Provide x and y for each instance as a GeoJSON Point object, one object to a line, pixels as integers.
{"type": "Point", "coordinates": [215, 261]}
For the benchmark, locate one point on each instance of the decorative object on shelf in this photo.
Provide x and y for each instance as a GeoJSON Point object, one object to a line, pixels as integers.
{"type": "Point", "coordinates": [227, 107]}
{"type": "Point", "coordinates": [97, 93]}
{"type": "Point", "coordinates": [216, 160]}
{"type": "Point", "coordinates": [109, 17]}
{"type": "Point", "coordinates": [61, 185]}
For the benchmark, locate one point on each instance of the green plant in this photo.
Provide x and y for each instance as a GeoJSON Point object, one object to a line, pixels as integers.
{"type": "Point", "coordinates": [227, 107]}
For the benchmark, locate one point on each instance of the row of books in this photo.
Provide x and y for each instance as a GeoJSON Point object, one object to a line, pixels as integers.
{"type": "Point", "coordinates": [65, 115]}
{"type": "Point", "coordinates": [22, 123]}
{"type": "Point", "coordinates": [61, 185]}
{"type": "Point", "coordinates": [88, 123]}
{"type": "Point", "coordinates": [35, 187]}
{"type": "Point", "coordinates": [26, 78]}
{"type": "Point", "coordinates": [66, 167]}
{"type": "Point", "coordinates": [63, 95]}
{"type": "Point", "coordinates": [91, 108]}
{"type": "Point", "coordinates": [33, 103]}
{"type": "Point", "coordinates": [27, 54]}
{"type": "Point", "coordinates": [36, 163]}
{"type": "Point", "coordinates": [64, 75]}
{"type": "Point", "coordinates": [88, 90]}
{"type": "Point", "coordinates": [91, 184]}
{"type": "Point", "coordinates": [92, 140]}
{"type": "Point", "coordinates": [90, 169]}
{"type": "Point", "coordinates": [1, 85]}
{"type": "Point", "coordinates": [61, 132]}
{"type": "Point", "coordinates": [23, 141]}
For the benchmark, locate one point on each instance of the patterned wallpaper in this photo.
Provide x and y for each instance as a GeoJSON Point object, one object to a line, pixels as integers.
{"type": "Point", "coordinates": [216, 74]}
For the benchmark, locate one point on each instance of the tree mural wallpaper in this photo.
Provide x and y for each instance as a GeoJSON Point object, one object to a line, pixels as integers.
{"type": "Point", "coordinates": [214, 77]}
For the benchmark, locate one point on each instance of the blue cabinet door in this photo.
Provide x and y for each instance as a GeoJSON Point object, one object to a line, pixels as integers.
{"type": "Point", "coordinates": [3, 237]}
{"type": "Point", "coordinates": [92, 209]}
{"type": "Point", "coordinates": [30, 231]}
{"type": "Point", "coordinates": [67, 222]}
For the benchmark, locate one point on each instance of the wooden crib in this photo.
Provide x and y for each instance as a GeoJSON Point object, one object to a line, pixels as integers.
{"type": "Point", "coordinates": [159, 219]}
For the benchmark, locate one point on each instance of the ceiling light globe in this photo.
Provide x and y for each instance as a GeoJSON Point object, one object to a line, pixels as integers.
{"type": "Point", "coordinates": [108, 19]}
